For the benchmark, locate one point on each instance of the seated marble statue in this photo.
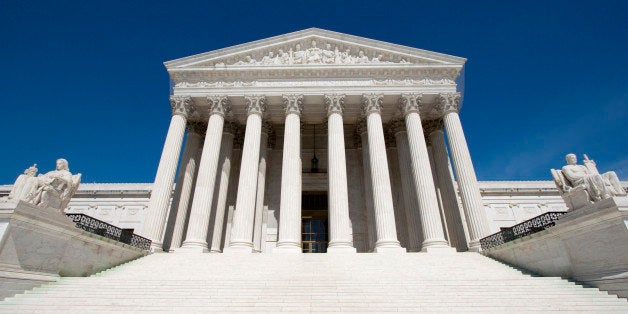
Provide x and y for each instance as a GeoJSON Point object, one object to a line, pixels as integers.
{"type": "Point", "coordinates": [53, 189]}
{"type": "Point", "coordinates": [25, 184]}
{"type": "Point", "coordinates": [581, 185]}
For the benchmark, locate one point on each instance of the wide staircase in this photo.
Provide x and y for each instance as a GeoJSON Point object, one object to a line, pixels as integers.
{"type": "Point", "coordinates": [313, 283]}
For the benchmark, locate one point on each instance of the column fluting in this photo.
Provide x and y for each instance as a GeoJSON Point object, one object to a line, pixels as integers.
{"type": "Point", "coordinates": [290, 204]}
{"type": "Point", "coordinates": [166, 171]}
{"type": "Point", "coordinates": [185, 184]}
{"type": "Point", "coordinates": [411, 206]}
{"type": "Point", "coordinates": [445, 181]}
{"type": "Point", "coordinates": [433, 235]}
{"type": "Point", "coordinates": [241, 239]}
{"type": "Point", "coordinates": [196, 236]}
{"type": "Point", "coordinates": [224, 162]}
{"type": "Point", "coordinates": [258, 237]}
{"type": "Point", "coordinates": [368, 189]}
{"type": "Point", "coordinates": [465, 173]}
{"type": "Point", "coordinates": [340, 237]}
{"type": "Point", "coordinates": [380, 178]}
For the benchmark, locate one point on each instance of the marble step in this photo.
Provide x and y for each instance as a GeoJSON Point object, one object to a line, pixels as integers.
{"type": "Point", "coordinates": [465, 282]}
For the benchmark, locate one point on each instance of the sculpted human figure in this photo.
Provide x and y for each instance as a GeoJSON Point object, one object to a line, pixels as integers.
{"type": "Point", "coordinates": [282, 57]}
{"type": "Point", "coordinates": [269, 58]}
{"type": "Point", "coordinates": [598, 186]}
{"type": "Point", "coordinates": [362, 58]}
{"type": "Point", "coordinates": [25, 184]}
{"type": "Point", "coordinates": [328, 55]}
{"type": "Point", "coordinates": [348, 58]}
{"type": "Point", "coordinates": [299, 55]}
{"type": "Point", "coordinates": [314, 54]}
{"type": "Point", "coordinates": [55, 188]}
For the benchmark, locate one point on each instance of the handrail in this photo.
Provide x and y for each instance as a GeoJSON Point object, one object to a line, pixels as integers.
{"type": "Point", "coordinates": [106, 230]}
{"type": "Point", "coordinates": [530, 226]}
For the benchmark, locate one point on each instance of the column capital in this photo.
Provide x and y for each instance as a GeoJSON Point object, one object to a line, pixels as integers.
{"type": "Point", "coordinates": [181, 105]}
{"type": "Point", "coordinates": [432, 126]}
{"type": "Point", "coordinates": [409, 103]}
{"type": "Point", "coordinates": [255, 104]}
{"type": "Point", "coordinates": [448, 102]}
{"type": "Point", "coordinates": [219, 105]}
{"type": "Point", "coordinates": [293, 104]}
{"type": "Point", "coordinates": [397, 126]}
{"type": "Point", "coordinates": [335, 103]}
{"type": "Point", "coordinates": [372, 103]}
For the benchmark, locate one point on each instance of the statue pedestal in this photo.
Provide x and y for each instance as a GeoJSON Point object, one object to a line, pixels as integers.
{"type": "Point", "coordinates": [589, 245]}
{"type": "Point", "coordinates": [41, 244]}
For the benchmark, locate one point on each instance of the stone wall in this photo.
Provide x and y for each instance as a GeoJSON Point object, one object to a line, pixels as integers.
{"type": "Point", "coordinates": [589, 245]}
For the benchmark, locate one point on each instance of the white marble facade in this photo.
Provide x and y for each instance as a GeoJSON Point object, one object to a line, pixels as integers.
{"type": "Point", "coordinates": [247, 121]}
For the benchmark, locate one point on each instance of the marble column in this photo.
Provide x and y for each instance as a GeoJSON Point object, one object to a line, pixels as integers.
{"type": "Point", "coordinates": [164, 179]}
{"type": "Point", "coordinates": [415, 236]}
{"type": "Point", "coordinates": [224, 162]}
{"type": "Point", "coordinates": [290, 204]}
{"type": "Point", "coordinates": [196, 236]}
{"type": "Point", "coordinates": [258, 237]}
{"type": "Point", "coordinates": [433, 235]}
{"type": "Point", "coordinates": [241, 239]}
{"type": "Point", "coordinates": [366, 180]}
{"type": "Point", "coordinates": [380, 178]}
{"type": "Point", "coordinates": [340, 237]}
{"type": "Point", "coordinates": [465, 174]}
{"type": "Point", "coordinates": [185, 183]}
{"type": "Point", "coordinates": [449, 200]}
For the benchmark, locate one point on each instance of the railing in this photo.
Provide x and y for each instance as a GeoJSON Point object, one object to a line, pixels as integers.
{"type": "Point", "coordinates": [106, 230]}
{"type": "Point", "coordinates": [536, 224]}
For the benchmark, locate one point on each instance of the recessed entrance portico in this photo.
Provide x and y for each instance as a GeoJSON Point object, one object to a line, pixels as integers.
{"type": "Point", "coordinates": [342, 93]}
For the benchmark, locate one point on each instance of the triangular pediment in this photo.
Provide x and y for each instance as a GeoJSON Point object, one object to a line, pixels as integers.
{"type": "Point", "coordinates": [314, 48]}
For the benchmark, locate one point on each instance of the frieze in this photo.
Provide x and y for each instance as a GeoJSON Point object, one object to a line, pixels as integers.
{"type": "Point", "coordinates": [315, 55]}
{"type": "Point", "coordinates": [374, 82]}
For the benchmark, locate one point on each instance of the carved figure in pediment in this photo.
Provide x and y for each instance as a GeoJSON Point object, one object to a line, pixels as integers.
{"type": "Point", "coordinates": [247, 60]}
{"type": "Point", "coordinates": [581, 185]}
{"type": "Point", "coordinates": [55, 188]}
{"type": "Point", "coordinates": [328, 55]}
{"type": "Point", "coordinates": [362, 58]}
{"type": "Point", "coordinates": [283, 57]}
{"type": "Point", "coordinates": [314, 54]}
{"type": "Point", "coordinates": [25, 184]}
{"type": "Point", "coordinates": [348, 58]}
{"type": "Point", "coordinates": [269, 59]}
{"type": "Point", "coordinates": [298, 57]}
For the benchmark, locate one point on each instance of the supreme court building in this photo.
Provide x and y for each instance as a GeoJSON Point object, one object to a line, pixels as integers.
{"type": "Point", "coordinates": [315, 141]}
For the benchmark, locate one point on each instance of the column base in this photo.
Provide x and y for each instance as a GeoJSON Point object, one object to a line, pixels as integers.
{"type": "Point", "coordinates": [475, 247]}
{"type": "Point", "coordinates": [238, 249]}
{"type": "Point", "coordinates": [341, 249]}
{"type": "Point", "coordinates": [390, 249]}
{"type": "Point", "coordinates": [156, 248]}
{"type": "Point", "coordinates": [288, 249]}
{"type": "Point", "coordinates": [192, 249]}
{"type": "Point", "coordinates": [439, 250]}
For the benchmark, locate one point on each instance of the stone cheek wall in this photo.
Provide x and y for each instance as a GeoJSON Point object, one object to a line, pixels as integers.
{"type": "Point", "coordinates": [506, 202]}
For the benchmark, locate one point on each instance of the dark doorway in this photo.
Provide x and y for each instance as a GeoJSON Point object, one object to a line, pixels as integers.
{"type": "Point", "coordinates": [314, 235]}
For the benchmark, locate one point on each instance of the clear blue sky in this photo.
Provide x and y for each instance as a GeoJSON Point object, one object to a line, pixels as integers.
{"type": "Point", "coordinates": [84, 80]}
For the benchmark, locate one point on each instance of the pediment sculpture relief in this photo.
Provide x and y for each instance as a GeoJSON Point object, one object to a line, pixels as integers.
{"type": "Point", "coordinates": [53, 189]}
{"type": "Point", "coordinates": [582, 185]}
{"type": "Point", "coordinates": [313, 55]}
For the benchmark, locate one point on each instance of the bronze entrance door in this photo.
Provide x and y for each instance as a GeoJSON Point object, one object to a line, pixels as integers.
{"type": "Point", "coordinates": [314, 236]}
